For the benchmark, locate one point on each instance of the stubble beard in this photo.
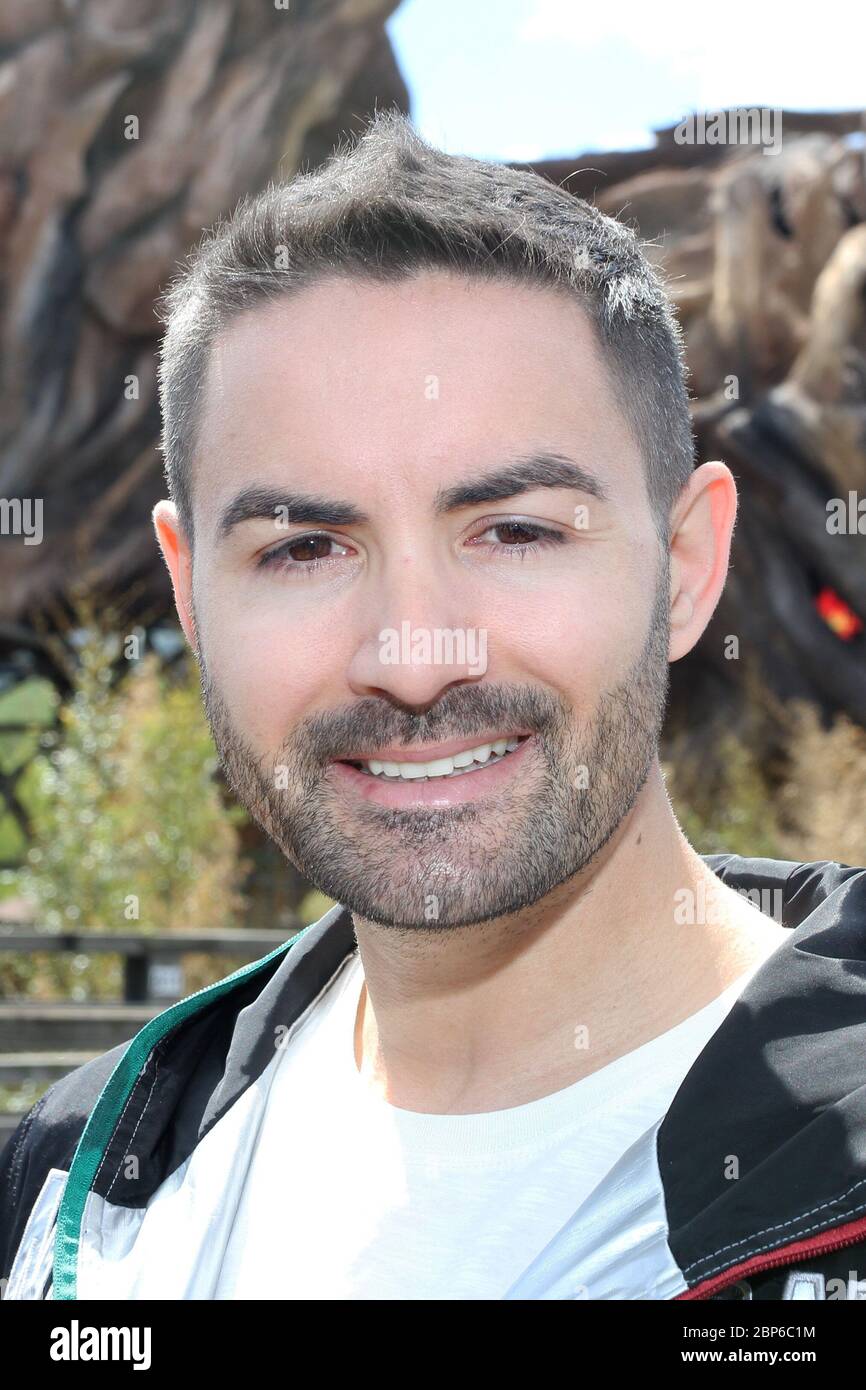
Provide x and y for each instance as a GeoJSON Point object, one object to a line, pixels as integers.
{"type": "Point", "coordinates": [433, 868]}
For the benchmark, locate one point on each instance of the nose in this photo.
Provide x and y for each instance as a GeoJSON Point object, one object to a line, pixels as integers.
{"type": "Point", "coordinates": [416, 640]}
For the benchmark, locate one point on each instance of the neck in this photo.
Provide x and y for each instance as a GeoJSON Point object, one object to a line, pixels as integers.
{"type": "Point", "coordinates": [471, 1019]}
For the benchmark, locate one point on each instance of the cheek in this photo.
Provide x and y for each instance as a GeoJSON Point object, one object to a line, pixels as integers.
{"type": "Point", "coordinates": [580, 639]}
{"type": "Point", "coordinates": [269, 673]}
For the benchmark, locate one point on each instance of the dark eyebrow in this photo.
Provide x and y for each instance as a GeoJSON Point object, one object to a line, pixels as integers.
{"type": "Point", "coordinates": [293, 508]}
{"type": "Point", "coordinates": [523, 475]}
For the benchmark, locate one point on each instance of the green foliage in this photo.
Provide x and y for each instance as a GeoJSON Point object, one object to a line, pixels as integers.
{"type": "Point", "coordinates": [34, 701]}
{"type": "Point", "coordinates": [130, 831]}
{"type": "Point", "coordinates": [727, 806]}
{"type": "Point", "coordinates": [17, 1100]}
{"type": "Point", "coordinates": [31, 701]}
{"type": "Point", "coordinates": [314, 905]}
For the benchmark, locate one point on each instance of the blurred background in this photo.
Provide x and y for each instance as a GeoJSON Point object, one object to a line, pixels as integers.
{"type": "Point", "coordinates": [128, 878]}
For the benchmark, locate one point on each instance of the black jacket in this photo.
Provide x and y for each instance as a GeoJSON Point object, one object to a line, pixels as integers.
{"type": "Point", "coordinates": [777, 1096]}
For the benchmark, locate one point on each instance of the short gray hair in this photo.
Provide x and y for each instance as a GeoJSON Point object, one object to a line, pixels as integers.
{"type": "Point", "coordinates": [387, 205]}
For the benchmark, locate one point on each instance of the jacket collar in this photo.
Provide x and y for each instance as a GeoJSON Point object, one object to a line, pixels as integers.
{"type": "Point", "coordinates": [762, 1153]}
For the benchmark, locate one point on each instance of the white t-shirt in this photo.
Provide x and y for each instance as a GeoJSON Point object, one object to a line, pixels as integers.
{"type": "Point", "coordinates": [350, 1197]}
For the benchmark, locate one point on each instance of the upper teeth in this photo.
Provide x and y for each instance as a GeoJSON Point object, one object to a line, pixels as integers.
{"type": "Point", "coordinates": [442, 767]}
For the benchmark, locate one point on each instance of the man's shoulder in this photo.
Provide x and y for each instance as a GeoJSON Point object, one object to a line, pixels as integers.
{"type": "Point", "coordinates": [814, 879]}
{"type": "Point", "coordinates": [199, 1055]}
{"type": "Point", "coordinates": [46, 1138]}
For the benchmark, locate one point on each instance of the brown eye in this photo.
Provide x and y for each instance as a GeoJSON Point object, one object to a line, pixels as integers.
{"type": "Point", "coordinates": [303, 554]}
{"type": "Point", "coordinates": [517, 534]}
{"type": "Point", "coordinates": [303, 548]}
{"type": "Point", "coordinates": [522, 537]}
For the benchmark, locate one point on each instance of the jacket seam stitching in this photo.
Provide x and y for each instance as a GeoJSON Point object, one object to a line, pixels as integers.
{"type": "Point", "coordinates": [129, 1100]}
{"type": "Point", "coordinates": [135, 1131]}
{"type": "Point", "coordinates": [17, 1160]}
{"type": "Point", "coordinates": [819, 1225]}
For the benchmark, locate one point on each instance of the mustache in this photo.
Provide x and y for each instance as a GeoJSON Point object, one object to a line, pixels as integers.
{"type": "Point", "coordinates": [461, 713]}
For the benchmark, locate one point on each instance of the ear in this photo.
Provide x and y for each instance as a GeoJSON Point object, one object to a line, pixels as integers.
{"type": "Point", "coordinates": [702, 524]}
{"type": "Point", "coordinates": [177, 555]}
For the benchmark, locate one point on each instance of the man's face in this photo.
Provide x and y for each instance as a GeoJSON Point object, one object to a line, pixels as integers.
{"type": "Point", "coordinates": [396, 616]}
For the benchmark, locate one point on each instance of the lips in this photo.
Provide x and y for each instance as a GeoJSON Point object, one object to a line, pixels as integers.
{"type": "Point", "coordinates": [480, 782]}
{"type": "Point", "coordinates": [434, 751]}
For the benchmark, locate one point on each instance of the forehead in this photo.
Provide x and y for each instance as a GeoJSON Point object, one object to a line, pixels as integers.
{"type": "Point", "coordinates": [435, 372]}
